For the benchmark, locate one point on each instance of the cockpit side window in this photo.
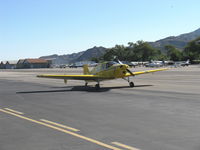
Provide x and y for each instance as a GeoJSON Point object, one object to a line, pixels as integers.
{"type": "Point", "coordinates": [103, 67]}
{"type": "Point", "coordinates": [107, 65]}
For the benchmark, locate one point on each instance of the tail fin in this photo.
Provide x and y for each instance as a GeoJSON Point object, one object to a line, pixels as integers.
{"type": "Point", "coordinates": [85, 69]}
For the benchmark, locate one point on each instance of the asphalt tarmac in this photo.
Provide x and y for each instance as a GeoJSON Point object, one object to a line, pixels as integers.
{"type": "Point", "coordinates": [161, 113]}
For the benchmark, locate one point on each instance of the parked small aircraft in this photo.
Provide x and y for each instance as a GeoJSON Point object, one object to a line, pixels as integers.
{"type": "Point", "coordinates": [103, 71]}
{"type": "Point", "coordinates": [182, 63]}
{"type": "Point", "coordinates": [155, 64]}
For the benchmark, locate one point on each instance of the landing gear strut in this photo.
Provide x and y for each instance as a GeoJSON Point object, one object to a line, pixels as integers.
{"type": "Point", "coordinates": [97, 86]}
{"type": "Point", "coordinates": [131, 84]}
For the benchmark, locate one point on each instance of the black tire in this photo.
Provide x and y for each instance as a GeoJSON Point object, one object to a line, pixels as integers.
{"type": "Point", "coordinates": [131, 84]}
{"type": "Point", "coordinates": [97, 86]}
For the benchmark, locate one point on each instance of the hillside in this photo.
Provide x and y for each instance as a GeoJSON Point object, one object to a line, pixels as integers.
{"type": "Point", "coordinates": [92, 52]}
{"type": "Point", "coordinates": [74, 57]}
{"type": "Point", "coordinates": [177, 41]}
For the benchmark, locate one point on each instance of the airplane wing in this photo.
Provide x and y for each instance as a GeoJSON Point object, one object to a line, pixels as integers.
{"type": "Point", "coordinates": [72, 77]}
{"type": "Point", "coordinates": [144, 72]}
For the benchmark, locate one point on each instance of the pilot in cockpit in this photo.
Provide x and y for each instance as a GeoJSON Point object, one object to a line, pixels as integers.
{"type": "Point", "coordinates": [108, 65]}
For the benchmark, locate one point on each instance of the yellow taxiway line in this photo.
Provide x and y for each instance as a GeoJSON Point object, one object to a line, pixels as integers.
{"type": "Point", "coordinates": [60, 125]}
{"type": "Point", "coordinates": [17, 112]}
{"type": "Point", "coordinates": [63, 130]}
{"type": "Point", "coordinates": [125, 146]}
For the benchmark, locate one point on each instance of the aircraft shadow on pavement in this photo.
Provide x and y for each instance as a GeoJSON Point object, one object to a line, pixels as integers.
{"type": "Point", "coordinates": [80, 88]}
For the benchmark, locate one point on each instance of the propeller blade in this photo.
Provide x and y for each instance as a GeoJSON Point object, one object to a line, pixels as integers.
{"type": "Point", "coordinates": [119, 62]}
{"type": "Point", "coordinates": [130, 72]}
{"type": "Point", "coordinates": [126, 68]}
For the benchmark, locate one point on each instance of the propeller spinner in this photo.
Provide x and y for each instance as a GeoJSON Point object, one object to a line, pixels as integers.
{"type": "Point", "coordinates": [126, 67]}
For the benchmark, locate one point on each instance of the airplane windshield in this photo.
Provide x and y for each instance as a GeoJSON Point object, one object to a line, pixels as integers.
{"type": "Point", "coordinates": [110, 63]}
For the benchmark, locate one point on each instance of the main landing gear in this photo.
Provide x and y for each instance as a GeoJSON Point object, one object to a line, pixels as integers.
{"type": "Point", "coordinates": [97, 86]}
{"type": "Point", "coordinates": [131, 84]}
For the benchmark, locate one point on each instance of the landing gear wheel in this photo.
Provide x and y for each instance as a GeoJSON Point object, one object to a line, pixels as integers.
{"type": "Point", "coordinates": [131, 84]}
{"type": "Point", "coordinates": [97, 86]}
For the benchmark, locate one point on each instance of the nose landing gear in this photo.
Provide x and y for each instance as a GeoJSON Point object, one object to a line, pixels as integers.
{"type": "Point", "coordinates": [131, 84]}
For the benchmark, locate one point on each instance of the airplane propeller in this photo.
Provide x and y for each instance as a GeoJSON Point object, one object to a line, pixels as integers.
{"type": "Point", "coordinates": [129, 72]}
{"type": "Point", "coordinates": [126, 68]}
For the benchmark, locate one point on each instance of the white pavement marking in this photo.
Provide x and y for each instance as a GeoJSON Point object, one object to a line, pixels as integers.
{"type": "Point", "coordinates": [125, 146]}
{"type": "Point", "coordinates": [63, 130]}
{"type": "Point", "coordinates": [18, 112]}
{"type": "Point", "coordinates": [60, 125]}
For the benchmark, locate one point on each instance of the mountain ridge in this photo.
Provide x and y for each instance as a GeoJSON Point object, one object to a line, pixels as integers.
{"type": "Point", "coordinates": [179, 42]}
{"type": "Point", "coordinates": [74, 57]}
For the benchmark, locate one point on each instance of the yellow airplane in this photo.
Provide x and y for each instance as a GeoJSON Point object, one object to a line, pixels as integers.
{"type": "Point", "coordinates": [104, 71]}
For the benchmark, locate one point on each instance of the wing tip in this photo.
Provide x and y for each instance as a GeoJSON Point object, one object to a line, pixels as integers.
{"type": "Point", "coordinates": [39, 76]}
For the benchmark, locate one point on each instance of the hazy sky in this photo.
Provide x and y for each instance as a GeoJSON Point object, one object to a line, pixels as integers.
{"type": "Point", "coordinates": [33, 28]}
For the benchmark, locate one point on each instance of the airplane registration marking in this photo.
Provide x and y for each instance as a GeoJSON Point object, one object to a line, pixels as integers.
{"type": "Point", "coordinates": [18, 112]}
{"type": "Point", "coordinates": [60, 125]}
{"type": "Point", "coordinates": [62, 130]}
{"type": "Point", "coordinates": [125, 146]}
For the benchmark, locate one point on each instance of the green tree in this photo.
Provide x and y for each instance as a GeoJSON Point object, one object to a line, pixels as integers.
{"type": "Point", "coordinates": [173, 53]}
{"type": "Point", "coordinates": [95, 59]}
{"type": "Point", "coordinates": [139, 51]}
{"type": "Point", "coordinates": [119, 51]}
{"type": "Point", "coordinates": [192, 50]}
{"type": "Point", "coordinates": [163, 57]}
{"type": "Point", "coordinates": [143, 51]}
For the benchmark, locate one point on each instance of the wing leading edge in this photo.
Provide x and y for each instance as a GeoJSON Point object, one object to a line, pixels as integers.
{"type": "Point", "coordinates": [72, 77]}
{"type": "Point", "coordinates": [94, 77]}
{"type": "Point", "coordinates": [144, 72]}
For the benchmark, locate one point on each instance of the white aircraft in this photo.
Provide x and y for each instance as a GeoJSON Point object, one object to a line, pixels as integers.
{"type": "Point", "coordinates": [182, 63]}
{"type": "Point", "coordinates": [155, 64]}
